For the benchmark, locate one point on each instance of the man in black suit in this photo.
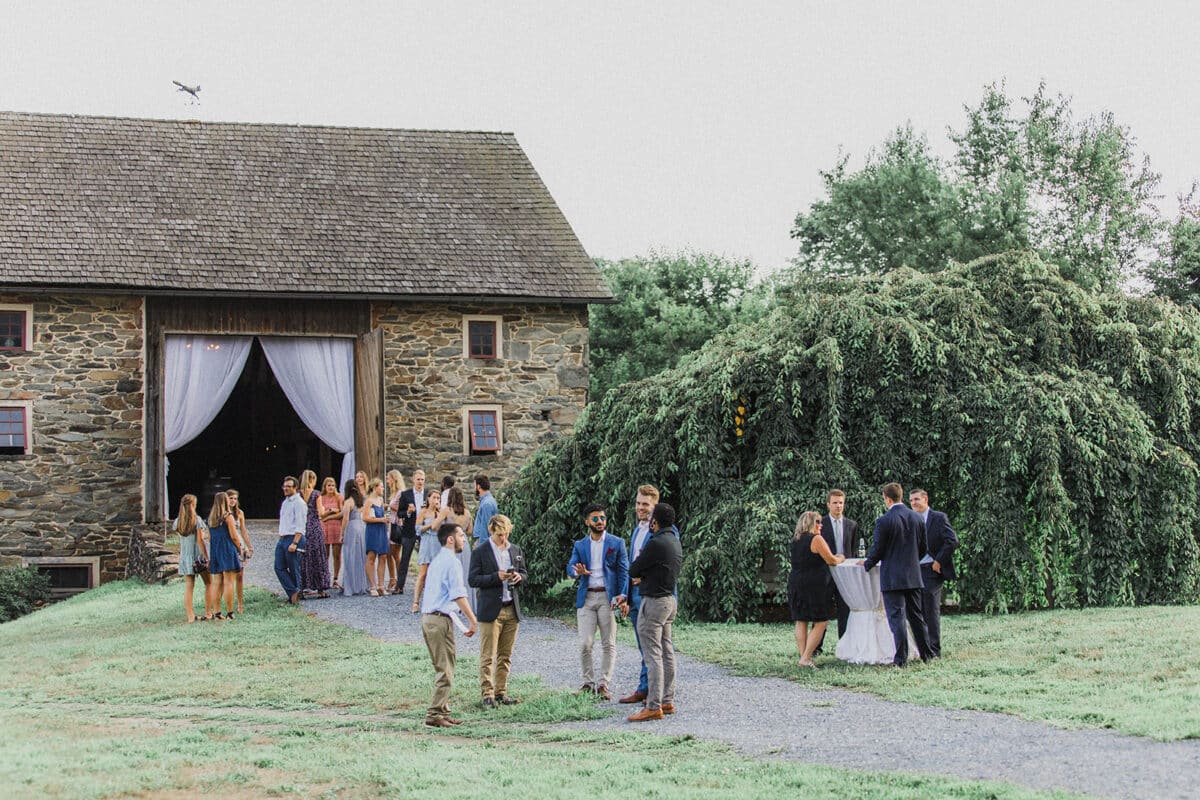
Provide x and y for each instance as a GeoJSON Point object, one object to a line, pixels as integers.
{"type": "Point", "coordinates": [497, 569]}
{"type": "Point", "coordinates": [937, 566]}
{"type": "Point", "coordinates": [411, 501]}
{"type": "Point", "coordinates": [899, 544]}
{"type": "Point", "coordinates": [841, 534]}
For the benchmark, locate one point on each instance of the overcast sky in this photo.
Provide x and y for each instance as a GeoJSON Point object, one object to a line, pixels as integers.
{"type": "Point", "coordinates": [655, 125]}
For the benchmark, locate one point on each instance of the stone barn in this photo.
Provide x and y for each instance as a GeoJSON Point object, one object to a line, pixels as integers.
{"type": "Point", "coordinates": [185, 305]}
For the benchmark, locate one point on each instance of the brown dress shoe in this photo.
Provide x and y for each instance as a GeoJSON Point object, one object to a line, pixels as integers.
{"type": "Point", "coordinates": [439, 722]}
{"type": "Point", "coordinates": [603, 691]}
{"type": "Point", "coordinates": [646, 714]}
{"type": "Point", "coordinates": [668, 708]}
{"type": "Point", "coordinates": [587, 688]}
{"type": "Point", "coordinates": [454, 721]}
{"type": "Point", "coordinates": [636, 697]}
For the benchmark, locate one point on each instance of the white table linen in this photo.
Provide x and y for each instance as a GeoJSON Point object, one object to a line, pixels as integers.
{"type": "Point", "coordinates": [868, 638]}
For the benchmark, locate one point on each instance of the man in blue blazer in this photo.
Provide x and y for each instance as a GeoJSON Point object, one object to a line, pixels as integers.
{"type": "Point", "coordinates": [937, 566]}
{"type": "Point", "coordinates": [600, 564]}
{"type": "Point", "coordinates": [899, 544]}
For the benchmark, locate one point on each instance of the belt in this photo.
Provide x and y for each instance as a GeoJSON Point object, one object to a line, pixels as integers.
{"type": "Point", "coordinates": [507, 603]}
{"type": "Point", "coordinates": [597, 589]}
{"type": "Point", "coordinates": [437, 614]}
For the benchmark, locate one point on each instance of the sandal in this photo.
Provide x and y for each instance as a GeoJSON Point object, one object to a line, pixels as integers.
{"type": "Point", "coordinates": [229, 615]}
{"type": "Point", "coordinates": [374, 592]}
{"type": "Point", "coordinates": [322, 595]}
{"type": "Point", "coordinates": [218, 615]}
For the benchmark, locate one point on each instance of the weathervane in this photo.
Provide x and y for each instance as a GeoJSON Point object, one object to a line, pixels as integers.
{"type": "Point", "coordinates": [194, 91]}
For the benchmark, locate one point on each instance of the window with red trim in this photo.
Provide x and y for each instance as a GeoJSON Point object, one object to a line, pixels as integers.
{"type": "Point", "coordinates": [481, 338]}
{"type": "Point", "coordinates": [14, 431]}
{"type": "Point", "coordinates": [12, 330]}
{"type": "Point", "coordinates": [485, 432]}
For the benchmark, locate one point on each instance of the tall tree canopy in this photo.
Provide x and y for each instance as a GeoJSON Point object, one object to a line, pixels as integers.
{"type": "Point", "coordinates": [1027, 177]}
{"type": "Point", "coordinates": [1058, 426]}
{"type": "Point", "coordinates": [666, 306]}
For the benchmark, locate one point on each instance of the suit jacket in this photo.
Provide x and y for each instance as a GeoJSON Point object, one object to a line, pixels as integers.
{"type": "Point", "coordinates": [616, 566]}
{"type": "Point", "coordinates": [408, 523]}
{"type": "Point", "coordinates": [850, 535]}
{"type": "Point", "coordinates": [899, 543]}
{"type": "Point", "coordinates": [942, 540]}
{"type": "Point", "coordinates": [484, 576]}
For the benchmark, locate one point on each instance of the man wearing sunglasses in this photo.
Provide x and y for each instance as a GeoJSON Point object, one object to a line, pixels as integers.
{"type": "Point", "coordinates": [600, 564]}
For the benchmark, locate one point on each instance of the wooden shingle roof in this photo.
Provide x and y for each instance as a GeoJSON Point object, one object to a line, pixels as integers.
{"type": "Point", "coordinates": [154, 205]}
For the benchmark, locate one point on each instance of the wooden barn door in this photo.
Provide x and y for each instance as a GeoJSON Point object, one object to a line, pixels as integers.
{"type": "Point", "coordinates": [368, 403]}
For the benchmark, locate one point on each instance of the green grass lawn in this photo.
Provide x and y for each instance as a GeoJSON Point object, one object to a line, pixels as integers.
{"type": "Point", "coordinates": [110, 695]}
{"type": "Point", "coordinates": [1135, 670]}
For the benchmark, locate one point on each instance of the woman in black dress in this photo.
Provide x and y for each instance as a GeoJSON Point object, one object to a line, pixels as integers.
{"type": "Point", "coordinates": [810, 585]}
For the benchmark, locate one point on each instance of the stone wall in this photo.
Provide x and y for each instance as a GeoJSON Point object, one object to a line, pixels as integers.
{"type": "Point", "coordinates": [79, 492]}
{"type": "Point", "coordinates": [540, 380]}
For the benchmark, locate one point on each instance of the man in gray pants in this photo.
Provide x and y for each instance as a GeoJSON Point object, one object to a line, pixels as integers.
{"type": "Point", "coordinates": [655, 570]}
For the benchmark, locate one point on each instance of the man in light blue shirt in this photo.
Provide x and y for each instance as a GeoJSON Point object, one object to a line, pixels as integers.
{"type": "Point", "coordinates": [445, 595]}
{"type": "Point", "coordinates": [293, 515]}
{"type": "Point", "coordinates": [487, 508]}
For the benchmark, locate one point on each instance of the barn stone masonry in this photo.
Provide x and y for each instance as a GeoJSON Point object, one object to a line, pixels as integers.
{"type": "Point", "coordinates": [540, 381]}
{"type": "Point", "coordinates": [79, 491]}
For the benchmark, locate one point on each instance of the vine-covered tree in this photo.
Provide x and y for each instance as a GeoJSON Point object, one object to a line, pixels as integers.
{"type": "Point", "coordinates": [1028, 178]}
{"type": "Point", "coordinates": [666, 306]}
{"type": "Point", "coordinates": [1058, 426]}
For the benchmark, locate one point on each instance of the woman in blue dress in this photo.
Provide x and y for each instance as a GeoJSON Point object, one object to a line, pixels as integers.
{"type": "Point", "coordinates": [354, 543]}
{"type": "Point", "coordinates": [427, 529]}
{"type": "Point", "coordinates": [224, 554]}
{"type": "Point", "coordinates": [378, 543]}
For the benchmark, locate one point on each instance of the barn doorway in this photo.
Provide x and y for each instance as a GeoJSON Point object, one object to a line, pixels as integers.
{"type": "Point", "coordinates": [254, 441]}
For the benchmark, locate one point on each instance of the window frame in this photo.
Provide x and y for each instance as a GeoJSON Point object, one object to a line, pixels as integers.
{"type": "Point", "coordinates": [497, 322]}
{"type": "Point", "coordinates": [92, 563]}
{"type": "Point", "coordinates": [26, 408]}
{"type": "Point", "coordinates": [26, 311]}
{"type": "Point", "coordinates": [469, 433]}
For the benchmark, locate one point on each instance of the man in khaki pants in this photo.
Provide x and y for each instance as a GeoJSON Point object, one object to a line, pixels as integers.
{"type": "Point", "coordinates": [444, 595]}
{"type": "Point", "coordinates": [657, 569]}
{"type": "Point", "coordinates": [497, 568]}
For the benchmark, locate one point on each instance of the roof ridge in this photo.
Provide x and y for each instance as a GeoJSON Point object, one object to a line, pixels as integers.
{"type": "Point", "coordinates": [234, 123]}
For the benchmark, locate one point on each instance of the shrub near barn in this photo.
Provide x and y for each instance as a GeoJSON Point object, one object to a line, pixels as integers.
{"type": "Point", "coordinates": [1057, 426]}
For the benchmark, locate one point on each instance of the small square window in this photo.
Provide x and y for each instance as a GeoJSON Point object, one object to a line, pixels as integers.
{"type": "Point", "coordinates": [481, 338]}
{"type": "Point", "coordinates": [14, 431]}
{"type": "Point", "coordinates": [14, 330]}
{"type": "Point", "coordinates": [485, 432]}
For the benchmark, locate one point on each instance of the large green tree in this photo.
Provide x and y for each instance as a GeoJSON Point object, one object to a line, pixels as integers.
{"type": "Point", "coordinates": [1023, 176]}
{"type": "Point", "coordinates": [665, 307]}
{"type": "Point", "coordinates": [1058, 426]}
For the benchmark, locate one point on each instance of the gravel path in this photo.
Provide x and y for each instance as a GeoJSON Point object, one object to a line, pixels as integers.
{"type": "Point", "coordinates": [782, 719]}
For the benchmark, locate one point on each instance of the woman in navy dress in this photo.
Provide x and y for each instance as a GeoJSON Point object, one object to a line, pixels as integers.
{"type": "Point", "coordinates": [354, 543]}
{"type": "Point", "coordinates": [314, 563]}
{"type": "Point", "coordinates": [224, 553]}
{"type": "Point", "coordinates": [810, 585]}
{"type": "Point", "coordinates": [378, 543]}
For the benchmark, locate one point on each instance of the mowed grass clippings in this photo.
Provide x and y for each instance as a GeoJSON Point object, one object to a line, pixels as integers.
{"type": "Point", "coordinates": [111, 695]}
{"type": "Point", "coordinates": [1134, 670]}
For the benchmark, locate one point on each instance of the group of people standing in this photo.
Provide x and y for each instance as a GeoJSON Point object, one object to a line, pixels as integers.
{"type": "Point", "coordinates": [914, 549]}
{"type": "Point", "coordinates": [216, 550]}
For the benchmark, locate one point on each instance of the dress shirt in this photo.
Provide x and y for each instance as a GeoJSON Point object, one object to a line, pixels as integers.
{"type": "Point", "coordinates": [596, 565]}
{"type": "Point", "coordinates": [443, 583]}
{"type": "Point", "coordinates": [293, 515]}
{"type": "Point", "coordinates": [927, 558]}
{"type": "Point", "coordinates": [504, 561]}
{"type": "Point", "coordinates": [641, 535]}
{"type": "Point", "coordinates": [487, 510]}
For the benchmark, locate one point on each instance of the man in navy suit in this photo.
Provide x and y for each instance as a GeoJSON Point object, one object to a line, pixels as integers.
{"type": "Point", "coordinates": [600, 564]}
{"type": "Point", "coordinates": [899, 544]}
{"type": "Point", "coordinates": [937, 566]}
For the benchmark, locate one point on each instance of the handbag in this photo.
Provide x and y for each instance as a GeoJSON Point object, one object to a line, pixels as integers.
{"type": "Point", "coordinates": [397, 534]}
{"type": "Point", "coordinates": [200, 565]}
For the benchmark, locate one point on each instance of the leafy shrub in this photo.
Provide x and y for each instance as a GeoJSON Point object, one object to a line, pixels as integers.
{"type": "Point", "coordinates": [21, 588]}
{"type": "Point", "coordinates": [1058, 427]}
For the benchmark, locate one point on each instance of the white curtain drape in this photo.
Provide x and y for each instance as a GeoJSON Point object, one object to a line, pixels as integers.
{"type": "Point", "coordinates": [317, 375]}
{"type": "Point", "coordinates": [201, 372]}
